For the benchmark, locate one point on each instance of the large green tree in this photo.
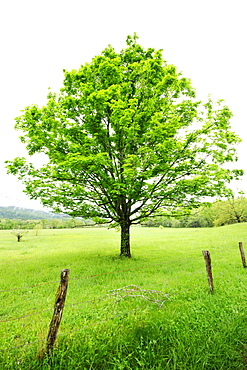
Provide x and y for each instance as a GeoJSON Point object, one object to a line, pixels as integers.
{"type": "Point", "coordinates": [126, 139]}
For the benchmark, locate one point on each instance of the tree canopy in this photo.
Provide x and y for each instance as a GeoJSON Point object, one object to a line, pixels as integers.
{"type": "Point", "coordinates": [126, 139]}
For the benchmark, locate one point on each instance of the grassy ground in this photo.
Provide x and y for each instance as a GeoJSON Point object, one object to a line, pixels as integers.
{"type": "Point", "coordinates": [170, 321]}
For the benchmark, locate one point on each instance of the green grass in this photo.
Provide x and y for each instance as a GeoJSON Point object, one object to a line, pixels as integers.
{"type": "Point", "coordinates": [193, 329]}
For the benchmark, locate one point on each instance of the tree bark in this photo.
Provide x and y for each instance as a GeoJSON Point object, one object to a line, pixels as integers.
{"type": "Point", "coordinates": [125, 239]}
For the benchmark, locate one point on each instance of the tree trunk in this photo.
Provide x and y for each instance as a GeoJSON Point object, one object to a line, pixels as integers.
{"type": "Point", "coordinates": [125, 239]}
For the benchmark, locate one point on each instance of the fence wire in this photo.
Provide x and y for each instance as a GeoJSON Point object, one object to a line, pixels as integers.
{"type": "Point", "coordinates": [86, 301]}
{"type": "Point", "coordinates": [72, 331]}
{"type": "Point", "coordinates": [94, 275]}
{"type": "Point", "coordinates": [76, 304]}
{"type": "Point", "coordinates": [51, 309]}
{"type": "Point", "coordinates": [26, 315]}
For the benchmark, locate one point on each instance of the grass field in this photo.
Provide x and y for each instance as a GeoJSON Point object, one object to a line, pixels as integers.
{"type": "Point", "coordinates": [169, 320]}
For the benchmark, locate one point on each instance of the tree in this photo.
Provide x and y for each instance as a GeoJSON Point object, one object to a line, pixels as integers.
{"type": "Point", "coordinates": [233, 210]}
{"type": "Point", "coordinates": [126, 139]}
{"type": "Point", "coordinates": [238, 209]}
{"type": "Point", "coordinates": [19, 233]}
{"type": "Point", "coordinates": [37, 228]}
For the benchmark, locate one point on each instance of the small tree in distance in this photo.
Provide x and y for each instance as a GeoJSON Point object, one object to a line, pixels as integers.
{"type": "Point", "coordinates": [19, 233]}
{"type": "Point", "coordinates": [37, 229]}
{"type": "Point", "coordinates": [126, 140]}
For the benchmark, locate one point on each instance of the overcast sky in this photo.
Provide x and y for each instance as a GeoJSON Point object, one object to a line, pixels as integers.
{"type": "Point", "coordinates": [206, 40]}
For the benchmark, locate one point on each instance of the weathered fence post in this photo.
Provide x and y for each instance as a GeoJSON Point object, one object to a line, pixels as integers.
{"type": "Point", "coordinates": [242, 254]}
{"type": "Point", "coordinates": [58, 310]}
{"type": "Point", "coordinates": [207, 258]}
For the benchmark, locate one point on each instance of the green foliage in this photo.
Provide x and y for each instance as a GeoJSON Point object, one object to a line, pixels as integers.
{"type": "Point", "coordinates": [230, 211]}
{"type": "Point", "coordinates": [125, 139]}
{"type": "Point", "coordinates": [67, 223]}
{"type": "Point", "coordinates": [19, 233]}
{"type": "Point", "coordinates": [218, 213]}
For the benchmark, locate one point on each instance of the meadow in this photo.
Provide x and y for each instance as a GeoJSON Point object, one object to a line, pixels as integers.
{"type": "Point", "coordinates": [153, 311]}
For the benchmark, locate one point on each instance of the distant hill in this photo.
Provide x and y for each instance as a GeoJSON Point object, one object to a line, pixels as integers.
{"type": "Point", "coordinates": [18, 213]}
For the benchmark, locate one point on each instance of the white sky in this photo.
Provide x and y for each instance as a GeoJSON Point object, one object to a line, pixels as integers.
{"type": "Point", "coordinates": [205, 39]}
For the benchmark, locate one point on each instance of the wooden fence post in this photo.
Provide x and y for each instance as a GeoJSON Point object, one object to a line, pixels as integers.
{"type": "Point", "coordinates": [58, 310]}
{"type": "Point", "coordinates": [242, 254]}
{"type": "Point", "coordinates": [207, 258]}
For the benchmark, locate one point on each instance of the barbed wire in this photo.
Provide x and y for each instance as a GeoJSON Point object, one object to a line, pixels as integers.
{"type": "Point", "coordinates": [100, 321]}
{"type": "Point", "coordinates": [22, 345]}
{"type": "Point", "coordinates": [51, 309]}
{"type": "Point", "coordinates": [26, 315]}
{"type": "Point", "coordinates": [77, 278]}
{"type": "Point", "coordinates": [93, 275]}
{"type": "Point", "coordinates": [116, 272]}
{"type": "Point", "coordinates": [83, 302]}
{"type": "Point", "coordinates": [128, 291]}
{"type": "Point", "coordinates": [79, 303]}
{"type": "Point", "coordinates": [30, 286]}
{"type": "Point", "coordinates": [71, 331]}
{"type": "Point", "coordinates": [12, 261]}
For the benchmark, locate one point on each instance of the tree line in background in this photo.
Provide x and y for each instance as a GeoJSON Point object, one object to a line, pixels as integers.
{"type": "Point", "coordinates": [218, 213]}
{"type": "Point", "coordinates": [9, 224]}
